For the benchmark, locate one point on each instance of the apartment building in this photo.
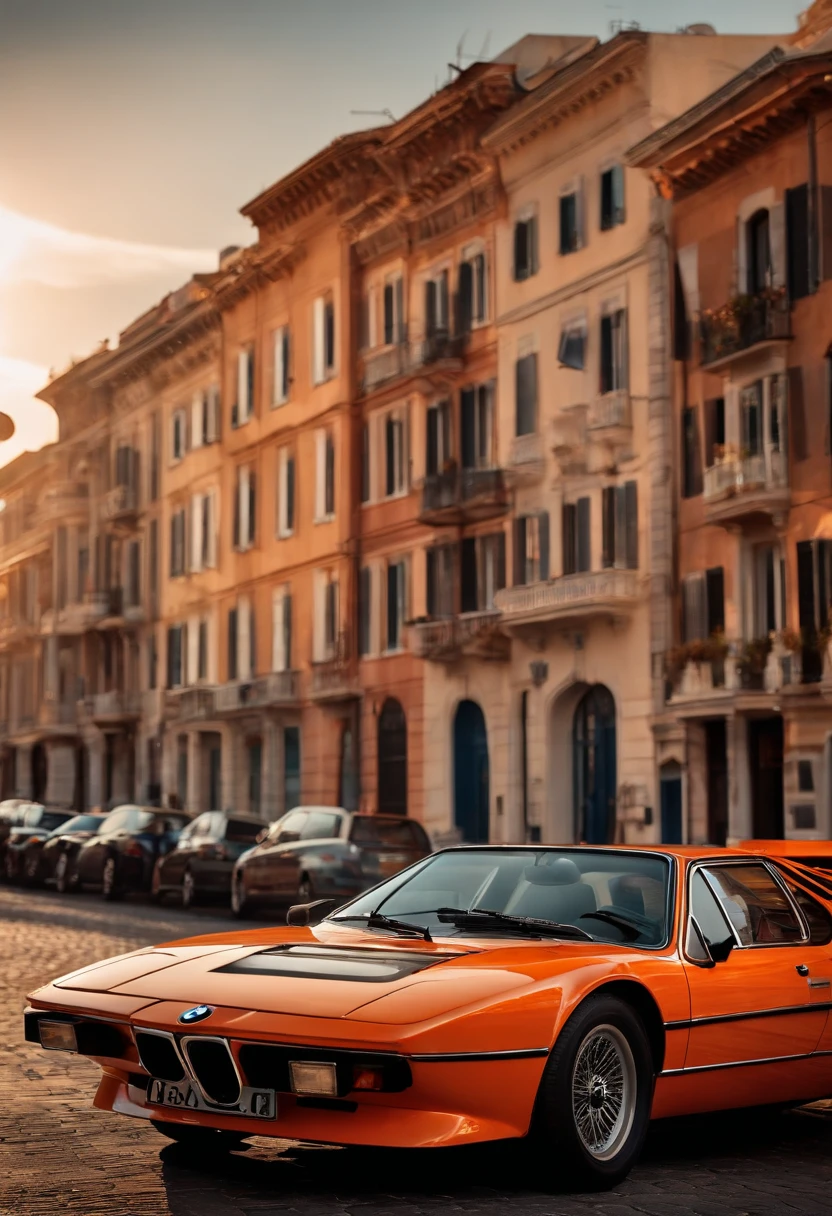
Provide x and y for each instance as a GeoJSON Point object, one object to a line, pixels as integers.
{"type": "Point", "coordinates": [748, 678]}
{"type": "Point", "coordinates": [583, 409]}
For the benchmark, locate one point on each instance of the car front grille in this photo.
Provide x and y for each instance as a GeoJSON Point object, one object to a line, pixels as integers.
{"type": "Point", "coordinates": [213, 1066]}
{"type": "Point", "coordinates": [158, 1056]}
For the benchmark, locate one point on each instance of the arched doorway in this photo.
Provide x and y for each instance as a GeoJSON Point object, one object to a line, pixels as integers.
{"type": "Point", "coordinates": [471, 776]}
{"type": "Point", "coordinates": [594, 766]}
{"type": "Point", "coordinates": [40, 772]}
{"type": "Point", "coordinates": [392, 759]}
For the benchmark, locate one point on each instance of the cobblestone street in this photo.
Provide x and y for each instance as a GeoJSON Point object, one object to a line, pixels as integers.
{"type": "Point", "coordinates": [60, 1155]}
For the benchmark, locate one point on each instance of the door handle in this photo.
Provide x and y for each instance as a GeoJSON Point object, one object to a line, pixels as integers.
{"type": "Point", "coordinates": [802, 969]}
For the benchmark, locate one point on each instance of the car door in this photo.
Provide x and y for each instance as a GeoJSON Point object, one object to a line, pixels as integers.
{"type": "Point", "coordinates": [767, 1002]}
{"type": "Point", "coordinates": [276, 867]}
{"type": "Point", "coordinates": [92, 853]}
{"type": "Point", "coordinates": [172, 864]}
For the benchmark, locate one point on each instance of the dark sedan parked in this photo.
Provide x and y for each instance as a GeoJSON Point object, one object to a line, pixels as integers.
{"type": "Point", "coordinates": [11, 816]}
{"type": "Point", "coordinates": [201, 864]}
{"type": "Point", "coordinates": [41, 856]}
{"type": "Point", "coordinates": [37, 823]}
{"type": "Point", "coordinates": [322, 852]}
{"type": "Point", "coordinates": [122, 854]}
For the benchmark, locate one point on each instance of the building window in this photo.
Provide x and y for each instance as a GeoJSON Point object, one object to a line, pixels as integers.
{"type": "Point", "coordinates": [526, 394]}
{"type": "Point", "coordinates": [280, 366]}
{"type": "Point", "coordinates": [612, 198]}
{"type": "Point", "coordinates": [758, 246]}
{"type": "Point", "coordinates": [365, 611]}
{"type": "Point", "coordinates": [525, 248]}
{"type": "Point", "coordinates": [178, 434]}
{"type": "Point", "coordinates": [291, 767]}
{"type": "Point", "coordinates": [152, 661]}
{"type": "Point", "coordinates": [703, 604]}
{"type": "Point", "coordinates": [614, 351]}
{"type": "Point", "coordinates": [134, 574]}
{"type": "Point", "coordinates": [245, 508]}
{"type": "Point", "coordinates": [482, 571]}
{"type": "Point", "coordinates": [577, 553]}
{"type": "Point", "coordinates": [233, 635]}
{"type": "Point", "coordinates": [203, 531]}
{"type": "Point", "coordinates": [477, 427]}
{"type": "Point", "coordinates": [153, 487]}
{"type": "Point", "coordinates": [691, 453]}
{"type": "Point", "coordinates": [326, 625]}
{"type": "Point", "coordinates": [324, 339]}
{"type": "Point", "coordinates": [571, 222]}
{"type": "Point", "coordinates": [324, 475]}
{"type": "Point", "coordinates": [242, 634]}
{"type": "Point", "coordinates": [572, 346]}
{"type": "Point", "coordinates": [620, 526]}
{"type": "Point", "coordinates": [205, 417]}
{"type": "Point", "coordinates": [245, 387]}
{"type": "Point", "coordinates": [441, 569]}
{"type": "Point", "coordinates": [202, 652]}
{"type": "Point", "coordinates": [439, 449]}
{"type": "Point", "coordinates": [531, 549]}
{"type": "Point", "coordinates": [176, 652]}
{"type": "Point", "coordinates": [285, 492]}
{"type": "Point", "coordinates": [178, 543]}
{"type": "Point", "coordinates": [472, 291]}
{"type": "Point", "coordinates": [769, 573]}
{"type": "Point", "coordinates": [282, 629]}
{"type": "Point", "coordinates": [714, 430]}
{"type": "Point", "coordinates": [395, 453]}
{"type": "Point", "coordinates": [366, 464]}
{"type": "Point", "coordinates": [394, 330]}
{"type": "Point", "coordinates": [396, 603]}
{"type": "Point", "coordinates": [437, 304]}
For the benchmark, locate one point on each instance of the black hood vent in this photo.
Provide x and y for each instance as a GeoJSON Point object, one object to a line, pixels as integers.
{"type": "Point", "coordinates": [336, 963]}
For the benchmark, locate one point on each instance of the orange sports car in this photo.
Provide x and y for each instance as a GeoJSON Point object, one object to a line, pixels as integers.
{"type": "Point", "coordinates": [565, 994]}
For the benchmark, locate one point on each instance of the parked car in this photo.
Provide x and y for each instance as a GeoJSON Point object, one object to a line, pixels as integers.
{"type": "Point", "coordinates": [203, 860]}
{"type": "Point", "coordinates": [324, 852]}
{"type": "Point", "coordinates": [11, 814]}
{"type": "Point", "coordinates": [39, 855]}
{"type": "Point", "coordinates": [120, 857]}
{"type": "Point", "coordinates": [37, 822]}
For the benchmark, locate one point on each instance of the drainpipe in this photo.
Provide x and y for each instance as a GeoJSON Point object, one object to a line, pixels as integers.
{"type": "Point", "coordinates": [813, 209]}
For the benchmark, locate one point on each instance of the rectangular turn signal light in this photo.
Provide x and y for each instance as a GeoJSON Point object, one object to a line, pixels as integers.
{"type": "Point", "coordinates": [313, 1080]}
{"type": "Point", "coordinates": [368, 1078]}
{"type": "Point", "coordinates": [57, 1036]}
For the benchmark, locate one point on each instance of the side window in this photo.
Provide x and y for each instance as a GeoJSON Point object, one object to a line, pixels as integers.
{"type": "Point", "coordinates": [756, 905]}
{"type": "Point", "coordinates": [705, 910]}
{"type": "Point", "coordinates": [114, 822]}
{"type": "Point", "coordinates": [291, 827]}
{"type": "Point", "coordinates": [817, 917]}
{"type": "Point", "coordinates": [321, 826]}
{"type": "Point", "coordinates": [200, 826]}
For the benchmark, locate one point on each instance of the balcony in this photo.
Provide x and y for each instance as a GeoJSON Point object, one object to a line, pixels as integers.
{"type": "Point", "coordinates": [609, 418]}
{"type": "Point", "coordinates": [743, 487]}
{"type": "Point", "coordinates": [701, 674]}
{"type": "Point", "coordinates": [114, 707]}
{"type": "Point", "coordinates": [64, 500]}
{"type": "Point", "coordinates": [334, 678]}
{"type": "Point", "coordinates": [190, 704]}
{"type": "Point", "coordinates": [729, 333]}
{"type": "Point", "coordinates": [15, 632]}
{"type": "Point", "coordinates": [572, 598]}
{"type": "Point", "coordinates": [461, 496]}
{"type": "Point", "coordinates": [57, 715]}
{"type": "Point", "coordinates": [526, 460]}
{"type": "Point", "coordinates": [440, 347]}
{"type": "Point", "coordinates": [262, 692]}
{"type": "Point", "coordinates": [121, 505]}
{"type": "Point", "coordinates": [385, 365]}
{"type": "Point", "coordinates": [474, 634]}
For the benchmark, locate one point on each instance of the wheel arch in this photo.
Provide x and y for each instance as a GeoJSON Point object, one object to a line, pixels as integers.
{"type": "Point", "coordinates": [641, 1000]}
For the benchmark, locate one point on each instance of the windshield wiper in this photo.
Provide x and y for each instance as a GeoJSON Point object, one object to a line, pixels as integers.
{"type": "Point", "coordinates": [485, 918]}
{"type": "Point", "coordinates": [377, 920]}
{"type": "Point", "coordinates": [629, 922]}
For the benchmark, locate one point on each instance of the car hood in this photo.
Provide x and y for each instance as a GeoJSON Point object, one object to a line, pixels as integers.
{"type": "Point", "coordinates": [325, 972]}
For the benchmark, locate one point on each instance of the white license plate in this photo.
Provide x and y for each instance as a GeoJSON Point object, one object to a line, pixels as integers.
{"type": "Point", "coordinates": [254, 1103]}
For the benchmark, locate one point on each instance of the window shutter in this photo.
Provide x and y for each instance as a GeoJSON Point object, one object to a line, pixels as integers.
{"type": "Point", "coordinates": [197, 420]}
{"type": "Point", "coordinates": [329, 499]}
{"type": "Point", "coordinates": [606, 354]}
{"type": "Point", "coordinates": [195, 563]}
{"type": "Point", "coordinates": [468, 405]}
{"type": "Point", "coordinates": [466, 296]}
{"type": "Point", "coordinates": [468, 574]}
{"type": "Point", "coordinates": [399, 331]}
{"type": "Point", "coordinates": [480, 288]}
{"type": "Point", "coordinates": [287, 631]}
{"type": "Point", "coordinates": [213, 526]}
{"type": "Point", "coordinates": [797, 414]}
{"type": "Point", "coordinates": [431, 582]}
{"type": "Point", "coordinates": [694, 615]}
{"type": "Point", "coordinates": [777, 239]}
{"type": "Point", "coordinates": [318, 372]}
{"type": "Point", "coordinates": [212, 410]}
{"type": "Point", "coordinates": [608, 527]}
{"type": "Point", "coordinates": [389, 315]}
{"type": "Point", "coordinates": [526, 395]}
{"type": "Point", "coordinates": [242, 385]}
{"type": "Point", "coordinates": [237, 531]}
{"type": "Point", "coordinates": [825, 217]}
{"type": "Point", "coordinates": [500, 562]}
{"type": "Point", "coordinates": [332, 613]}
{"type": "Point", "coordinates": [364, 606]}
{"type": "Point", "coordinates": [681, 321]}
{"type": "Point", "coordinates": [806, 585]}
{"type": "Point", "coordinates": [278, 389]}
{"type": "Point", "coordinates": [329, 335]}
{"type": "Point", "coordinates": [278, 657]}
{"type": "Point", "coordinates": [389, 456]}
{"type": "Point", "coordinates": [192, 674]}
{"type": "Point", "coordinates": [172, 566]}
{"type": "Point", "coordinates": [521, 260]}
{"type": "Point", "coordinates": [365, 462]}
{"type": "Point", "coordinates": [320, 474]}
{"type": "Point", "coordinates": [797, 242]}
{"type": "Point", "coordinates": [631, 515]}
{"type": "Point", "coordinates": [715, 600]}
{"type": "Point", "coordinates": [519, 547]}
{"type": "Point", "coordinates": [691, 453]}
{"type": "Point", "coordinates": [252, 506]}
{"type": "Point", "coordinates": [290, 492]}
{"type": "Point", "coordinates": [570, 528]}
{"type": "Point", "coordinates": [543, 545]}
{"type": "Point", "coordinates": [244, 639]}
{"type": "Point", "coordinates": [430, 308]}
{"type": "Point", "coordinates": [432, 454]}
{"type": "Point", "coordinates": [232, 644]}
{"type": "Point", "coordinates": [583, 539]}
{"type": "Point", "coordinates": [532, 239]}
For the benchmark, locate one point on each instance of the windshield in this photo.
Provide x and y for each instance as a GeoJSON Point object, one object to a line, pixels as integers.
{"type": "Point", "coordinates": [613, 896]}
{"type": "Point", "coordinates": [81, 823]}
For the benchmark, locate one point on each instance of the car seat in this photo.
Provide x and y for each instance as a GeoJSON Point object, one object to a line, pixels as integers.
{"type": "Point", "coordinates": [553, 892]}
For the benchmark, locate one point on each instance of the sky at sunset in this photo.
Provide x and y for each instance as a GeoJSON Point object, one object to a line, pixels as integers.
{"type": "Point", "coordinates": [131, 131]}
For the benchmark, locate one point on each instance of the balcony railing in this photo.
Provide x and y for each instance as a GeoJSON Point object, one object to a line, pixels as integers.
{"type": "Point", "coordinates": [526, 460]}
{"type": "Point", "coordinates": [387, 364]}
{"type": "Point", "coordinates": [743, 324]}
{"type": "Point", "coordinates": [121, 501]}
{"type": "Point", "coordinates": [278, 688]}
{"type": "Point", "coordinates": [438, 347]}
{"type": "Point", "coordinates": [64, 499]}
{"type": "Point", "coordinates": [58, 713]}
{"type": "Point", "coordinates": [611, 412]}
{"type": "Point", "coordinates": [115, 703]}
{"type": "Point", "coordinates": [448, 639]}
{"type": "Point", "coordinates": [699, 671]}
{"type": "Point", "coordinates": [190, 704]}
{"type": "Point", "coordinates": [608, 592]}
{"type": "Point", "coordinates": [460, 495]}
{"type": "Point", "coordinates": [333, 678]}
{"type": "Point", "coordinates": [739, 486]}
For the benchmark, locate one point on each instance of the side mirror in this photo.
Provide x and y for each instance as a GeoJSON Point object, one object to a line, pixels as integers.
{"type": "Point", "coordinates": [719, 951]}
{"type": "Point", "coordinates": [261, 836]}
{"type": "Point", "coordinates": [302, 915]}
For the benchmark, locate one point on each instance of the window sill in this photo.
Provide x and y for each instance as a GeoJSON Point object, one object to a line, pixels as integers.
{"type": "Point", "coordinates": [389, 653]}
{"type": "Point", "coordinates": [275, 405]}
{"type": "Point", "coordinates": [324, 519]}
{"type": "Point", "coordinates": [285, 535]}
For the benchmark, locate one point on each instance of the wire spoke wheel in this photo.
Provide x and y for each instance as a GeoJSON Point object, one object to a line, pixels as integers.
{"type": "Point", "coordinates": [604, 1091]}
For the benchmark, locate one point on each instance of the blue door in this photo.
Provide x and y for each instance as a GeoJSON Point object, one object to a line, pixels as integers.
{"type": "Point", "coordinates": [471, 778]}
{"type": "Point", "coordinates": [594, 767]}
{"type": "Point", "coordinates": [671, 795]}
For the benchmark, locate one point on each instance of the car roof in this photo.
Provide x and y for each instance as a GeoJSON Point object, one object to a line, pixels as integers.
{"type": "Point", "coordinates": [683, 852]}
{"type": "Point", "coordinates": [329, 810]}
{"type": "Point", "coordinates": [789, 848]}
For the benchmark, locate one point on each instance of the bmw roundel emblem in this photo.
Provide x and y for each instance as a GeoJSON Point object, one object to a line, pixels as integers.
{"type": "Point", "coordinates": [198, 1014]}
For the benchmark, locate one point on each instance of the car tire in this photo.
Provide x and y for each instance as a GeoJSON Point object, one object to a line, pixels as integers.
{"type": "Point", "coordinates": [211, 1138]}
{"type": "Point", "coordinates": [190, 894]}
{"type": "Point", "coordinates": [110, 887]}
{"type": "Point", "coordinates": [241, 906]}
{"type": "Point", "coordinates": [66, 879]}
{"type": "Point", "coordinates": [593, 1105]}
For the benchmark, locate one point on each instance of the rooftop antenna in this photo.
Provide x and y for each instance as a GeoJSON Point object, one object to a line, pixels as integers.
{"type": "Point", "coordinates": [388, 114]}
{"type": "Point", "coordinates": [486, 47]}
{"type": "Point", "coordinates": [456, 66]}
